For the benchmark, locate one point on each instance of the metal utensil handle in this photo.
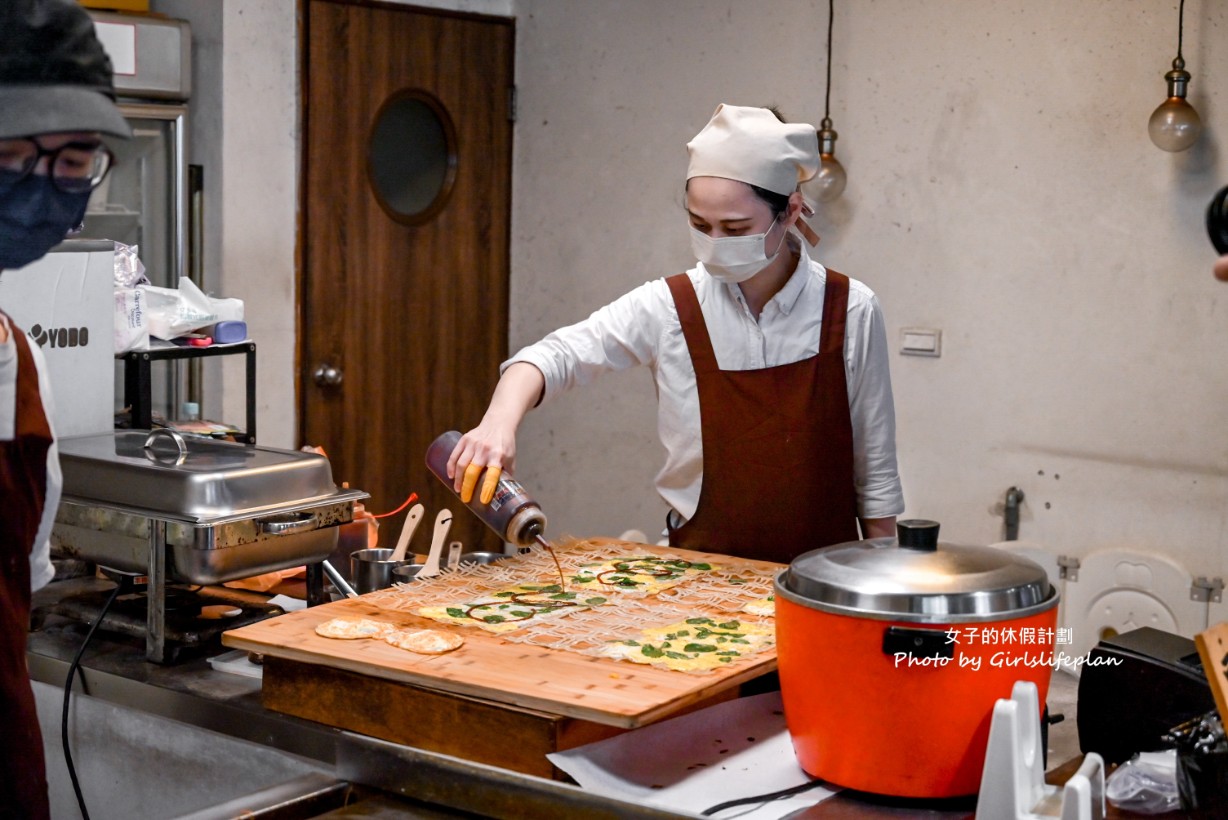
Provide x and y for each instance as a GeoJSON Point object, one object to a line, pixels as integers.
{"type": "Point", "coordinates": [174, 436]}
{"type": "Point", "coordinates": [286, 525]}
{"type": "Point", "coordinates": [337, 580]}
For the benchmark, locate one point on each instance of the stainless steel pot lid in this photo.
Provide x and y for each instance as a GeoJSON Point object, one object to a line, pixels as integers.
{"type": "Point", "coordinates": [167, 476]}
{"type": "Point", "coordinates": [914, 578]}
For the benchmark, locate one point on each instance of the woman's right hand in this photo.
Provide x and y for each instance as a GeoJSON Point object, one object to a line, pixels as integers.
{"type": "Point", "coordinates": [491, 446]}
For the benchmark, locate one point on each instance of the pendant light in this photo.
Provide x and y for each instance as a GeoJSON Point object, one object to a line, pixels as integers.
{"type": "Point", "coordinates": [1175, 125]}
{"type": "Point", "coordinates": [829, 182]}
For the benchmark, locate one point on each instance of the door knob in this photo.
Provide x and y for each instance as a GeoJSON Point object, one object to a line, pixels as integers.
{"type": "Point", "coordinates": [326, 375]}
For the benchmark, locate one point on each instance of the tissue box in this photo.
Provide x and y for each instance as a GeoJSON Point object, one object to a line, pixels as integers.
{"type": "Point", "coordinates": [64, 304]}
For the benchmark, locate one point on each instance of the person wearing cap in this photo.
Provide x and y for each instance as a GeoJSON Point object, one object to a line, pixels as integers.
{"type": "Point", "coordinates": [774, 398]}
{"type": "Point", "coordinates": [57, 99]}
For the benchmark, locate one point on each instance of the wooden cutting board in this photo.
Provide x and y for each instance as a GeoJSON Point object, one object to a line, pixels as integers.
{"type": "Point", "coordinates": [601, 690]}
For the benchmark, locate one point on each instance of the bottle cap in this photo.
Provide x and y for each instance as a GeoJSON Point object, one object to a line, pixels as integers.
{"type": "Point", "coordinates": [530, 521]}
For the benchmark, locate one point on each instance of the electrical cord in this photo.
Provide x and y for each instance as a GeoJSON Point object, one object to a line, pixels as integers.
{"type": "Point", "coordinates": [762, 798]}
{"type": "Point", "coordinates": [412, 498]}
{"type": "Point", "coordinates": [75, 669]}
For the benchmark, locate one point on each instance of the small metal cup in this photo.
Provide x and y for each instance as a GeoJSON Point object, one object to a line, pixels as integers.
{"type": "Point", "coordinates": [406, 572]}
{"type": "Point", "coordinates": [371, 569]}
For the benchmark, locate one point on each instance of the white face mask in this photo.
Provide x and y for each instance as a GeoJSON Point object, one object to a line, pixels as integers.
{"type": "Point", "coordinates": [734, 259]}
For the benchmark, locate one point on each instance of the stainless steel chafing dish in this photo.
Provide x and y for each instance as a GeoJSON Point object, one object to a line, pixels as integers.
{"type": "Point", "coordinates": [195, 510]}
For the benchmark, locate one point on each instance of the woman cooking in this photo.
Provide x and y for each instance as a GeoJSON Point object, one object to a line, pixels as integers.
{"type": "Point", "coordinates": [774, 397]}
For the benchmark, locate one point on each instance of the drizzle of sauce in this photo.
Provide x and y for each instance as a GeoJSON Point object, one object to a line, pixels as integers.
{"type": "Point", "coordinates": [557, 565]}
{"type": "Point", "coordinates": [620, 575]}
{"type": "Point", "coordinates": [543, 606]}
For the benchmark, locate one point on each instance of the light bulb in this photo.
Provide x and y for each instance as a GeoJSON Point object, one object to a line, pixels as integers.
{"type": "Point", "coordinates": [829, 182]}
{"type": "Point", "coordinates": [1175, 125]}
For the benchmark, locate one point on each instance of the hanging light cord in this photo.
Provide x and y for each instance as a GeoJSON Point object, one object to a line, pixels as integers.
{"type": "Point", "coordinates": [1180, 29]}
{"type": "Point", "coordinates": [831, 14]}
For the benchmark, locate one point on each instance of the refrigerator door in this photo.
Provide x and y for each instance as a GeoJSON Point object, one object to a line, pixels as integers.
{"type": "Point", "coordinates": [143, 200]}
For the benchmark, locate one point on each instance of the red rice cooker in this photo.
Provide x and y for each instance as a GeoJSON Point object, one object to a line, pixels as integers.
{"type": "Point", "coordinates": [893, 651]}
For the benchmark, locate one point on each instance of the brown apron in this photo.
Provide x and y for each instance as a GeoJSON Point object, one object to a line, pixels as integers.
{"type": "Point", "coordinates": [23, 488]}
{"type": "Point", "coordinates": [778, 443]}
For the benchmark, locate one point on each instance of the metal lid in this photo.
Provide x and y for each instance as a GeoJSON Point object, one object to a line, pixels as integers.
{"type": "Point", "coordinates": [914, 578]}
{"type": "Point", "coordinates": [172, 477]}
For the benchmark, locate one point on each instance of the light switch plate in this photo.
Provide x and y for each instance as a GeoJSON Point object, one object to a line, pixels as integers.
{"type": "Point", "coordinates": [921, 341]}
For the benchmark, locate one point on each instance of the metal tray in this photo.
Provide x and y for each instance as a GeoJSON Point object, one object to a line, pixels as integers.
{"type": "Point", "coordinates": [198, 481]}
{"type": "Point", "coordinates": [220, 511]}
{"type": "Point", "coordinates": [202, 554]}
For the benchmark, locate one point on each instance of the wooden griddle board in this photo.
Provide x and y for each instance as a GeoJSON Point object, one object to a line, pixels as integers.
{"type": "Point", "coordinates": [601, 690]}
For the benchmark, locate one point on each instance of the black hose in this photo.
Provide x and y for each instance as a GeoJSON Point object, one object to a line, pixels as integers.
{"type": "Point", "coordinates": [75, 669]}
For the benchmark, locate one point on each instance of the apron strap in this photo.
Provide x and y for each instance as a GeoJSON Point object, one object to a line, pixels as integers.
{"type": "Point", "coordinates": [835, 312]}
{"type": "Point", "coordinates": [23, 487]}
{"type": "Point", "coordinates": [694, 329]}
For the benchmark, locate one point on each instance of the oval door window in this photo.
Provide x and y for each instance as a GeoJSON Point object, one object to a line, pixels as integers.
{"type": "Point", "coordinates": [411, 156]}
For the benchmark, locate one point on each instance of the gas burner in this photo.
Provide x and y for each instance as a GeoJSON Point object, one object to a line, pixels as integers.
{"type": "Point", "coordinates": [195, 617]}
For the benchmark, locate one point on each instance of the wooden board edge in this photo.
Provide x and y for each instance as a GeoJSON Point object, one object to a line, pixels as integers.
{"type": "Point", "coordinates": [677, 705]}
{"type": "Point", "coordinates": [543, 705]}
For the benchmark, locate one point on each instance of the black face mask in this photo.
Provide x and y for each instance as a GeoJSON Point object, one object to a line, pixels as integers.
{"type": "Point", "coordinates": [35, 216]}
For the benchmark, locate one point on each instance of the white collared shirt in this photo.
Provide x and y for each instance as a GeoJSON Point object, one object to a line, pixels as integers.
{"type": "Point", "coordinates": [642, 328]}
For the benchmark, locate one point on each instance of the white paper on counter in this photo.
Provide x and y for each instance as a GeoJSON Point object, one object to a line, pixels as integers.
{"type": "Point", "coordinates": [287, 603]}
{"type": "Point", "coordinates": [734, 749]}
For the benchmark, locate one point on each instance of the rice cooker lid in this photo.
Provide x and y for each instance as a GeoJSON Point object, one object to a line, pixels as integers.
{"type": "Point", "coordinates": [913, 577]}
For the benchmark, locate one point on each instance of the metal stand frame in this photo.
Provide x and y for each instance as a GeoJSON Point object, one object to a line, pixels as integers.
{"type": "Point", "coordinates": [138, 373]}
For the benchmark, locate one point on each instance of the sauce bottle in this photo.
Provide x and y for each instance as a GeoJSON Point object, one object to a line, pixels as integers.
{"type": "Point", "coordinates": [511, 513]}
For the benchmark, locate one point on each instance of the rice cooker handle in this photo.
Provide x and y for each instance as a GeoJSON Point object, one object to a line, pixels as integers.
{"type": "Point", "coordinates": [917, 534]}
{"type": "Point", "coordinates": [918, 643]}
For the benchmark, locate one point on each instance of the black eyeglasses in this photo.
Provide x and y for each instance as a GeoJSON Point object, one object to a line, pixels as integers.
{"type": "Point", "coordinates": [75, 168]}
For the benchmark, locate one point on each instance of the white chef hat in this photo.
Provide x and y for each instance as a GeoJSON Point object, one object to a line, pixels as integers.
{"type": "Point", "coordinates": [752, 145]}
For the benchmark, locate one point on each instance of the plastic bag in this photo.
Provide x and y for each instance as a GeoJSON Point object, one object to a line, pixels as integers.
{"type": "Point", "coordinates": [1202, 765]}
{"type": "Point", "coordinates": [131, 331]}
{"type": "Point", "coordinates": [1146, 783]}
{"type": "Point", "coordinates": [174, 312]}
{"type": "Point", "coordinates": [129, 270]}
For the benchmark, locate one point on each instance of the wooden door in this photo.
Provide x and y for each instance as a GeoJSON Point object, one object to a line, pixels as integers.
{"type": "Point", "coordinates": [404, 247]}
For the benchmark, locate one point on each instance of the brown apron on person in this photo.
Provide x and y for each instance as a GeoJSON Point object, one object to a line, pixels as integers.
{"type": "Point", "coordinates": [778, 443]}
{"type": "Point", "coordinates": [23, 488]}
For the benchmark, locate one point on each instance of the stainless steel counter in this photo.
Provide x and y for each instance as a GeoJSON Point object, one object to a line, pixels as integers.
{"type": "Point", "coordinates": [353, 769]}
{"type": "Point", "coordinates": [386, 779]}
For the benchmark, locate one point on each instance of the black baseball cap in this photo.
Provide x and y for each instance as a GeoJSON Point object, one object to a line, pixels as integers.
{"type": "Point", "coordinates": [55, 75]}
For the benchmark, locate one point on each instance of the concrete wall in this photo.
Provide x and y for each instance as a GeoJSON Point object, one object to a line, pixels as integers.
{"type": "Point", "coordinates": [1002, 189]}
{"type": "Point", "coordinates": [244, 131]}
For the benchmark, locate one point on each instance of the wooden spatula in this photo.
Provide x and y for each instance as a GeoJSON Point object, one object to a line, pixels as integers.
{"type": "Point", "coordinates": [407, 532]}
{"type": "Point", "coordinates": [443, 522]}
